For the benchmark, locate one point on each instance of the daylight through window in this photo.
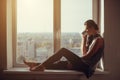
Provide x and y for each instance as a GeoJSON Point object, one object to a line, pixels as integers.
{"type": "Point", "coordinates": [35, 29]}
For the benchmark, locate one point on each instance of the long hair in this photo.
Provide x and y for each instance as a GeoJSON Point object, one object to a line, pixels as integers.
{"type": "Point", "coordinates": [91, 23]}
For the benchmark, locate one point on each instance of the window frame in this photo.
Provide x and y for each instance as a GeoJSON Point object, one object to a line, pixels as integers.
{"type": "Point", "coordinates": [56, 25]}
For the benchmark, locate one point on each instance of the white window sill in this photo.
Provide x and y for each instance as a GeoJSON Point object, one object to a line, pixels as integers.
{"type": "Point", "coordinates": [25, 74]}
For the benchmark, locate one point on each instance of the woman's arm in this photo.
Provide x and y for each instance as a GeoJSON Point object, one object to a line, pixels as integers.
{"type": "Point", "coordinates": [96, 44]}
{"type": "Point", "coordinates": [83, 45]}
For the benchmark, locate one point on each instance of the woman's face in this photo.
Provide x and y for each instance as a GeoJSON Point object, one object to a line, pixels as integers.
{"type": "Point", "coordinates": [89, 30]}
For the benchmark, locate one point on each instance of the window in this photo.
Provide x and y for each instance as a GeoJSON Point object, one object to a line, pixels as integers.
{"type": "Point", "coordinates": [73, 17]}
{"type": "Point", "coordinates": [102, 16]}
{"type": "Point", "coordinates": [101, 65]}
{"type": "Point", "coordinates": [34, 29]}
{"type": "Point", "coordinates": [41, 27]}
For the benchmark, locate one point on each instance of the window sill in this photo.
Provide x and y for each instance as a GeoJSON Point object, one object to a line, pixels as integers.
{"type": "Point", "coordinates": [25, 74]}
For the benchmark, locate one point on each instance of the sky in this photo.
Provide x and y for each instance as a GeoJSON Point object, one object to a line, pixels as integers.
{"type": "Point", "coordinates": [37, 15]}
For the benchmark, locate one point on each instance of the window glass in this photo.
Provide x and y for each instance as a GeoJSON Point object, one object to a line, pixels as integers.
{"type": "Point", "coordinates": [34, 30]}
{"type": "Point", "coordinates": [102, 17]}
{"type": "Point", "coordinates": [73, 15]}
{"type": "Point", "coordinates": [35, 27]}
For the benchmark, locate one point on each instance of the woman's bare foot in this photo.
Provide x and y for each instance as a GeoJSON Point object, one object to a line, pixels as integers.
{"type": "Point", "coordinates": [31, 64]}
{"type": "Point", "coordinates": [38, 68]}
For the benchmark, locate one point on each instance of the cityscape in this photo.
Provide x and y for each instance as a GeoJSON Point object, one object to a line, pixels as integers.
{"type": "Point", "coordinates": [39, 46]}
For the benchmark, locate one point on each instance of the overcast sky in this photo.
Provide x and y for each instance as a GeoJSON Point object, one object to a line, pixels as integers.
{"type": "Point", "coordinates": [37, 15]}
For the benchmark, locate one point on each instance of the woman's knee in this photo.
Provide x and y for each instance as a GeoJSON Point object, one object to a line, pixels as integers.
{"type": "Point", "coordinates": [63, 49]}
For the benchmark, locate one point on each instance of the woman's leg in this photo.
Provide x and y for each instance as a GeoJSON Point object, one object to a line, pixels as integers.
{"type": "Point", "coordinates": [71, 57]}
{"type": "Point", "coordinates": [31, 64]}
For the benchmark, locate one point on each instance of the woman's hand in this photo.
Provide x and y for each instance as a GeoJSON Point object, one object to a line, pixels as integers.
{"type": "Point", "coordinates": [84, 35]}
{"type": "Point", "coordinates": [84, 39]}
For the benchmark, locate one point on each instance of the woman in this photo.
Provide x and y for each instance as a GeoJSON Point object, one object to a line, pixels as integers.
{"type": "Point", "coordinates": [92, 48]}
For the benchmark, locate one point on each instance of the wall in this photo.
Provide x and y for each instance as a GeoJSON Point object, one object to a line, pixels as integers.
{"type": "Point", "coordinates": [112, 38]}
{"type": "Point", "coordinates": [3, 34]}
